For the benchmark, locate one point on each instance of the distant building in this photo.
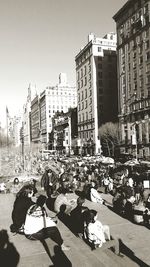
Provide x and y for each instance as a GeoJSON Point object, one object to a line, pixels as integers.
{"type": "Point", "coordinates": [35, 122]}
{"type": "Point", "coordinates": [54, 99]}
{"type": "Point", "coordinates": [133, 39]}
{"type": "Point", "coordinates": [96, 81]}
{"type": "Point", "coordinates": [17, 124]}
{"type": "Point", "coordinates": [14, 125]}
{"type": "Point", "coordinates": [65, 132]}
{"type": "Point", "coordinates": [26, 118]}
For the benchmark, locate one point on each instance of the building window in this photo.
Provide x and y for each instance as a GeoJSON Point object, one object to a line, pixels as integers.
{"type": "Point", "coordinates": [85, 81]}
{"type": "Point", "coordinates": [100, 75]}
{"type": "Point", "coordinates": [84, 70]}
{"type": "Point", "coordinates": [79, 118]}
{"type": "Point", "coordinates": [99, 49]}
{"type": "Point", "coordinates": [86, 115]}
{"type": "Point", "coordinates": [78, 86]}
{"type": "Point", "coordinates": [82, 105]}
{"type": "Point", "coordinates": [147, 55]}
{"type": "Point", "coordinates": [99, 66]}
{"type": "Point", "coordinates": [101, 90]}
{"type": "Point", "coordinates": [147, 44]}
{"type": "Point", "coordinates": [85, 103]}
{"type": "Point", "coordinates": [79, 107]}
{"type": "Point", "coordinates": [100, 82]}
{"type": "Point", "coordinates": [79, 97]}
{"type": "Point", "coordinates": [82, 96]}
{"type": "Point", "coordinates": [82, 116]}
{"type": "Point", "coordinates": [140, 60]}
{"type": "Point", "coordinates": [99, 58]}
{"type": "Point", "coordinates": [148, 79]}
{"type": "Point", "coordinates": [85, 93]}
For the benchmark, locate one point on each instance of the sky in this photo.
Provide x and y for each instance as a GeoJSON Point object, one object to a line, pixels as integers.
{"type": "Point", "coordinates": [40, 38]}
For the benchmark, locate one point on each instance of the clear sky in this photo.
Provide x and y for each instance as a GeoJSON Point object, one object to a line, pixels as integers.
{"type": "Point", "coordinates": [40, 38]}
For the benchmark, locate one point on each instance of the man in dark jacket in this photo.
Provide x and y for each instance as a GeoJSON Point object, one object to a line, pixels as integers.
{"type": "Point", "coordinates": [48, 182]}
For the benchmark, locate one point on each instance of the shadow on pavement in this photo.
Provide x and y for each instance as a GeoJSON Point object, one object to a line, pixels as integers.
{"type": "Point", "coordinates": [59, 258]}
{"type": "Point", "coordinates": [130, 254]}
{"type": "Point", "coordinates": [9, 256]}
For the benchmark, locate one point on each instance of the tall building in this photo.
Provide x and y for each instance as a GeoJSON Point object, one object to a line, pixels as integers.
{"type": "Point", "coordinates": [133, 50]}
{"type": "Point", "coordinates": [26, 123]}
{"type": "Point", "coordinates": [96, 79]}
{"type": "Point", "coordinates": [54, 99]}
{"type": "Point", "coordinates": [35, 122]}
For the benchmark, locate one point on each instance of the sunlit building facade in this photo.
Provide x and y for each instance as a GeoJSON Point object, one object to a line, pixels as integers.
{"type": "Point", "coordinates": [96, 81]}
{"type": "Point", "coordinates": [133, 51]}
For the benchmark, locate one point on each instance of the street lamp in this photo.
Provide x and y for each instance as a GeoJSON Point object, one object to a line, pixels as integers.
{"type": "Point", "coordinates": [134, 138]}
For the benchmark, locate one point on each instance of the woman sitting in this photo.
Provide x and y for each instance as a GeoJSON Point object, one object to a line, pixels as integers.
{"type": "Point", "coordinates": [21, 205]}
{"type": "Point", "coordinates": [92, 193]}
{"type": "Point", "coordinates": [61, 199]}
{"type": "Point", "coordinates": [94, 231]}
{"type": "Point", "coordinates": [38, 226]}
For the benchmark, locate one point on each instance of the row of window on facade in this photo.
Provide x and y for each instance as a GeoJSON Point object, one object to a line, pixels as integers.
{"type": "Point", "coordinates": [137, 42]}
{"type": "Point", "coordinates": [137, 61]}
{"type": "Point", "coordinates": [140, 105]}
{"type": "Point", "coordinates": [139, 73]}
{"type": "Point", "coordinates": [83, 72]}
{"type": "Point", "coordinates": [85, 116]}
{"type": "Point", "coordinates": [136, 55]}
{"type": "Point", "coordinates": [84, 83]}
{"type": "Point", "coordinates": [85, 135]}
{"type": "Point", "coordinates": [61, 91]}
{"type": "Point", "coordinates": [141, 79]}
{"type": "Point", "coordinates": [84, 95]}
{"type": "Point", "coordinates": [140, 15]}
{"type": "Point", "coordinates": [85, 56]}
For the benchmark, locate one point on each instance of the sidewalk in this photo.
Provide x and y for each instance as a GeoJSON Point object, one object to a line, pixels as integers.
{"type": "Point", "coordinates": [33, 253]}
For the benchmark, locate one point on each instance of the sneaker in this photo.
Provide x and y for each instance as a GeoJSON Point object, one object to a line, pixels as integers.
{"type": "Point", "coordinates": [65, 248]}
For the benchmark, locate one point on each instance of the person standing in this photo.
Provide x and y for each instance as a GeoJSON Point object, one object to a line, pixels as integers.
{"type": "Point", "coordinates": [48, 182]}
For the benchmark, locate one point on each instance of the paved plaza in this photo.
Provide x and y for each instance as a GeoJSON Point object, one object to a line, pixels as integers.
{"type": "Point", "coordinates": [135, 240]}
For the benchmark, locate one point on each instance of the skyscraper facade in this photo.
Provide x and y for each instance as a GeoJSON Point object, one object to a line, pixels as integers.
{"type": "Point", "coordinates": [53, 99]}
{"type": "Point", "coordinates": [133, 51]}
{"type": "Point", "coordinates": [96, 81]}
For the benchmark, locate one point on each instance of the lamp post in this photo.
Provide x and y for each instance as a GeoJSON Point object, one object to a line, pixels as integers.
{"type": "Point", "coordinates": [134, 138]}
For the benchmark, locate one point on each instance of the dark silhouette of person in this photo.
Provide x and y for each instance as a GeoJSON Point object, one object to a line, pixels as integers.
{"type": "Point", "coordinates": [9, 256]}
{"type": "Point", "coordinates": [77, 221]}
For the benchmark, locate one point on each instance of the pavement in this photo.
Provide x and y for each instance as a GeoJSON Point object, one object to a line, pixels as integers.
{"type": "Point", "coordinates": [135, 241]}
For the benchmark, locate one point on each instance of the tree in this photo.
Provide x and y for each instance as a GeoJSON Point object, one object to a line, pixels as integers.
{"type": "Point", "coordinates": [109, 136]}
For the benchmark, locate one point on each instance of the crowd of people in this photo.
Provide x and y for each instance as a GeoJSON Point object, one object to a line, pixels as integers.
{"type": "Point", "coordinates": [129, 199]}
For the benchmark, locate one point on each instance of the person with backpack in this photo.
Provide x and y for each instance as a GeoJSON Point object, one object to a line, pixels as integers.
{"type": "Point", "coordinates": [39, 226]}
